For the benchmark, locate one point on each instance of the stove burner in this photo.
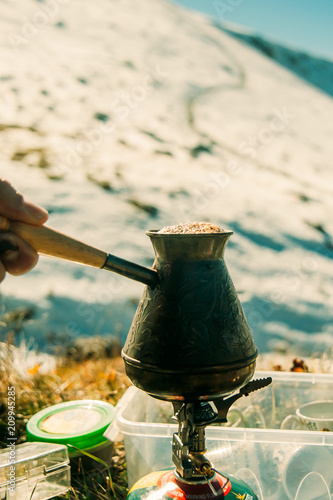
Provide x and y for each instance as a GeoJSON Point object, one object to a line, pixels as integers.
{"type": "Point", "coordinates": [189, 444]}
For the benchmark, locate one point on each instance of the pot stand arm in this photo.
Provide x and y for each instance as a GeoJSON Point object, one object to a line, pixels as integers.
{"type": "Point", "coordinates": [223, 405]}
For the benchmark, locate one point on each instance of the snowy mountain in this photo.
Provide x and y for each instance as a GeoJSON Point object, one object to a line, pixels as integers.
{"type": "Point", "coordinates": [123, 116]}
{"type": "Point", "coordinates": [318, 72]}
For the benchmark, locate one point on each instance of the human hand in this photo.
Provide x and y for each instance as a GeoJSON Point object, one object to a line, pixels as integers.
{"type": "Point", "coordinates": [16, 256]}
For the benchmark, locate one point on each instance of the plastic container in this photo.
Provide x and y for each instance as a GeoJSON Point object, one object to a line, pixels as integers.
{"type": "Point", "coordinates": [34, 471]}
{"type": "Point", "coordinates": [80, 426]}
{"type": "Point", "coordinates": [277, 464]}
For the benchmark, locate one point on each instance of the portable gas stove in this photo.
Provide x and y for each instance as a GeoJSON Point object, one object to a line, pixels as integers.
{"type": "Point", "coordinates": [194, 477]}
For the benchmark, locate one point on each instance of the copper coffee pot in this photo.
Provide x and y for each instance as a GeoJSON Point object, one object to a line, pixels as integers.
{"type": "Point", "coordinates": [189, 339]}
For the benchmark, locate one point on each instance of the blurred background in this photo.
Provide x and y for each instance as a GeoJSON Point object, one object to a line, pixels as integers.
{"type": "Point", "coordinates": [122, 116]}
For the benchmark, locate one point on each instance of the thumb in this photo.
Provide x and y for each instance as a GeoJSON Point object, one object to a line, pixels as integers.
{"type": "Point", "coordinates": [13, 206]}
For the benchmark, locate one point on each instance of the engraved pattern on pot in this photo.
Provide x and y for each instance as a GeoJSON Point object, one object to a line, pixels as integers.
{"type": "Point", "coordinates": [191, 322]}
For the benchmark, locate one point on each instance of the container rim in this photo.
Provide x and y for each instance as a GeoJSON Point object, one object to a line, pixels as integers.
{"type": "Point", "coordinates": [83, 440]}
{"type": "Point", "coordinates": [155, 233]}
{"type": "Point", "coordinates": [149, 429]}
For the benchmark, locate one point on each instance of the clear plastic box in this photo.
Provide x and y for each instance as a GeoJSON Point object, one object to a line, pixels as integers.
{"type": "Point", "coordinates": [278, 464]}
{"type": "Point", "coordinates": [34, 471]}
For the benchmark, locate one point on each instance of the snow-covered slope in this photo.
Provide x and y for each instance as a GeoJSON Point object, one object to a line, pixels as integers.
{"type": "Point", "coordinates": [124, 116]}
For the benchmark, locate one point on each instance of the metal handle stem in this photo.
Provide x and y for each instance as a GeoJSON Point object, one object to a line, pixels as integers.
{"type": "Point", "coordinates": [131, 270]}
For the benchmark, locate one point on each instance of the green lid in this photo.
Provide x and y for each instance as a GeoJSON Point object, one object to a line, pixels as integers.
{"type": "Point", "coordinates": [77, 423]}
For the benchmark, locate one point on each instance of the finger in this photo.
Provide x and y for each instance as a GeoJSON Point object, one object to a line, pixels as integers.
{"type": "Point", "coordinates": [4, 223]}
{"type": "Point", "coordinates": [16, 255]}
{"type": "Point", "coordinates": [13, 206]}
{"type": "Point", "coordinates": [2, 271]}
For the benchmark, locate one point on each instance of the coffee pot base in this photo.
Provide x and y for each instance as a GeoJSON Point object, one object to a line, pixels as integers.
{"type": "Point", "coordinates": [191, 384]}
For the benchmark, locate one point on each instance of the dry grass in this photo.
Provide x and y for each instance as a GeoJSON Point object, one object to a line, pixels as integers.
{"type": "Point", "coordinates": [102, 379]}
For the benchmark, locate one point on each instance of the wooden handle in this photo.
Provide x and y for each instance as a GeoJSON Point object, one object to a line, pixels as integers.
{"type": "Point", "coordinates": [47, 241]}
